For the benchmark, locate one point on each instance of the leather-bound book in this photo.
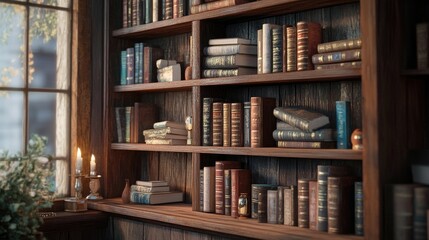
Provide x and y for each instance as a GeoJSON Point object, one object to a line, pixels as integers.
{"type": "Point", "coordinates": [236, 125]}
{"type": "Point", "coordinates": [340, 204]}
{"type": "Point", "coordinates": [262, 121]}
{"type": "Point", "coordinates": [217, 116]}
{"type": "Point", "coordinates": [309, 35]}
{"type": "Point", "coordinates": [303, 203]}
{"type": "Point", "coordinates": [220, 167]}
{"type": "Point", "coordinates": [240, 183]}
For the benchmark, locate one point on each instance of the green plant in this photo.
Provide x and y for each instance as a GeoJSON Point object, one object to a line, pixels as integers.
{"type": "Point", "coordinates": [25, 187]}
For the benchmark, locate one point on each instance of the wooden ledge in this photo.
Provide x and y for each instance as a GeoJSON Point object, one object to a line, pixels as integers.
{"type": "Point", "coordinates": [181, 215]}
{"type": "Point", "coordinates": [66, 221]}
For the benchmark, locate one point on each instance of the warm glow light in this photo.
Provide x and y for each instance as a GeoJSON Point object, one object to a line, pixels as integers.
{"type": "Point", "coordinates": [92, 164]}
{"type": "Point", "coordinates": [78, 160]}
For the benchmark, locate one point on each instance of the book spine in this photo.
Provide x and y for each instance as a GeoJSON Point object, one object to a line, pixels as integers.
{"type": "Point", "coordinates": [236, 125]}
{"type": "Point", "coordinates": [169, 74]}
{"type": "Point", "coordinates": [300, 144]}
{"type": "Point", "coordinates": [229, 61]}
{"type": "Point", "coordinates": [259, 54]}
{"type": "Point", "coordinates": [280, 204]}
{"type": "Point", "coordinates": [212, 73]}
{"type": "Point", "coordinates": [353, 64]}
{"type": "Point", "coordinates": [254, 202]}
{"type": "Point", "coordinates": [136, 61]}
{"type": "Point", "coordinates": [201, 190]}
{"type": "Point", "coordinates": [343, 124]}
{"type": "Point", "coordinates": [209, 189]}
{"type": "Point", "coordinates": [422, 42]}
{"type": "Point", "coordinates": [219, 188]}
{"type": "Point", "coordinates": [340, 210]}
{"type": "Point", "coordinates": [292, 119]}
{"type": "Point", "coordinates": [277, 38]}
{"type": "Point", "coordinates": [262, 207]}
{"type": "Point", "coordinates": [335, 57]}
{"type": "Point", "coordinates": [312, 212]}
{"type": "Point", "coordinates": [421, 204]}
{"type": "Point", "coordinates": [297, 135]}
{"type": "Point", "coordinates": [267, 48]}
{"type": "Point", "coordinates": [151, 55]}
{"type": "Point", "coordinates": [120, 123]}
{"type": "Point", "coordinates": [148, 12]}
{"type": "Point", "coordinates": [339, 45]}
{"type": "Point", "coordinates": [141, 65]}
{"type": "Point", "coordinates": [227, 182]}
{"type": "Point", "coordinates": [308, 36]}
{"type": "Point", "coordinates": [168, 9]}
{"type": "Point", "coordinates": [221, 50]}
{"type": "Point", "coordinates": [130, 65]}
{"type": "Point", "coordinates": [358, 209]}
{"type": "Point", "coordinates": [124, 13]}
{"type": "Point", "coordinates": [303, 203]}
{"type": "Point", "coordinates": [256, 125]}
{"type": "Point", "coordinates": [129, 13]}
{"type": "Point", "coordinates": [217, 123]}
{"type": "Point", "coordinates": [183, 8]}
{"type": "Point", "coordinates": [284, 47]}
{"type": "Point", "coordinates": [142, 198]}
{"type": "Point", "coordinates": [291, 49]}
{"type": "Point", "coordinates": [272, 206]}
{"type": "Point", "coordinates": [290, 206]}
{"type": "Point", "coordinates": [214, 5]}
{"type": "Point", "coordinates": [246, 125]}
{"type": "Point", "coordinates": [175, 8]}
{"type": "Point", "coordinates": [240, 183]}
{"type": "Point", "coordinates": [134, 12]}
{"type": "Point", "coordinates": [207, 122]}
{"type": "Point", "coordinates": [127, 124]}
{"type": "Point", "coordinates": [142, 7]}
{"type": "Point", "coordinates": [144, 189]}
{"type": "Point", "coordinates": [123, 67]}
{"type": "Point", "coordinates": [226, 124]}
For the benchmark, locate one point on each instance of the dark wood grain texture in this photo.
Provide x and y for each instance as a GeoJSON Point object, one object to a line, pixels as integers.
{"type": "Point", "coordinates": [126, 229]}
{"type": "Point", "coordinates": [67, 222]}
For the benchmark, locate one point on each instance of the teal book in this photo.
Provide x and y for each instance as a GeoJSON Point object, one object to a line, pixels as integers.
{"type": "Point", "coordinates": [156, 197]}
{"type": "Point", "coordinates": [123, 67]}
{"type": "Point", "coordinates": [343, 124]}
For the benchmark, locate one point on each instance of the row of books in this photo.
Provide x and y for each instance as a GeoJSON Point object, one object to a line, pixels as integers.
{"type": "Point", "coordinates": [167, 133]}
{"type": "Point", "coordinates": [138, 64]}
{"type": "Point", "coordinates": [154, 192]}
{"type": "Point", "coordinates": [136, 12]}
{"type": "Point", "coordinates": [338, 54]}
{"type": "Point", "coordinates": [198, 6]}
{"type": "Point", "coordinates": [332, 203]}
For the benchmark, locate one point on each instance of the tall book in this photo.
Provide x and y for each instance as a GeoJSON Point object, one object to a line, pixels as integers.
{"type": "Point", "coordinates": [259, 54]}
{"type": "Point", "coordinates": [303, 119]}
{"type": "Point", "coordinates": [277, 60]}
{"type": "Point", "coordinates": [421, 205]}
{"type": "Point", "coordinates": [246, 124]}
{"type": "Point", "coordinates": [262, 121]}
{"type": "Point", "coordinates": [340, 204]}
{"type": "Point", "coordinates": [168, 9]}
{"type": "Point", "coordinates": [280, 204]}
{"type": "Point", "coordinates": [262, 207]}
{"type": "Point", "coordinates": [309, 34]}
{"type": "Point", "coordinates": [217, 117]}
{"type": "Point", "coordinates": [124, 13]}
{"type": "Point", "coordinates": [215, 5]}
{"type": "Point", "coordinates": [323, 172]}
{"type": "Point", "coordinates": [312, 205]}
{"type": "Point", "coordinates": [226, 124]}
{"type": "Point", "coordinates": [291, 49]}
{"type": "Point", "coordinates": [342, 109]}
{"type": "Point", "coordinates": [148, 11]}
{"type": "Point", "coordinates": [337, 57]}
{"type": "Point", "coordinates": [227, 184]}
{"type": "Point", "coordinates": [358, 209]}
{"type": "Point", "coordinates": [236, 125]}
{"type": "Point", "coordinates": [339, 45]}
{"type": "Point", "coordinates": [256, 190]}
{"type": "Point", "coordinates": [303, 203]}
{"type": "Point", "coordinates": [267, 47]}
{"type": "Point", "coordinates": [220, 167]}
{"type": "Point", "coordinates": [290, 206]}
{"type": "Point", "coordinates": [129, 111]}
{"type": "Point", "coordinates": [209, 189]}
{"type": "Point", "coordinates": [272, 206]}
{"type": "Point", "coordinates": [151, 55]}
{"type": "Point", "coordinates": [240, 183]}
{"type": "Point", "coordinates": [422, 42]}
{"type": "Point", "coordinates": [120, 124]}
{"type": "Point", "coordinates": [145, 114]}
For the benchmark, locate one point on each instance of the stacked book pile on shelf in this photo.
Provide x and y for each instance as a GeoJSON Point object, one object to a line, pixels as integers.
{"type": "Point", "coordinates": [154, 192]}
{"type": "Point", "coordinates": [132, 120]}
{"type": "Point", "coordinates": [226, 57]}
{"type": "Point", "coordinates": [198, 6]}
{"type": "Point", "coordinates": [167, 133]}
{"type": "Point", "coordinates": [338, 54]}
{"type": "Point", "coordinates": [168, 70]}
{"type": "Point", "coordinates": [331, 203]}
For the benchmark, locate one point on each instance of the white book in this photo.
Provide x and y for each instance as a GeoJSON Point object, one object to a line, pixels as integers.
{"type": "Point", "coordinates": [267, 47]}
{"type": "Point", "coordinates": [209, 189]}
{"type": "Point", "coordinates": [170, 73]}
{"type": "Point", "coordinates": [162, 63]}
{"type": "Point", "coordinates": [152, 183]}
{"type": "Point", "coordinates": [228, 41]}
{"type": "Point", "coordinates": [220, 50]}
{"type": "Point", "coordinates": [139, 188]}
{"type": "Point", "coordinates": [155, 11]}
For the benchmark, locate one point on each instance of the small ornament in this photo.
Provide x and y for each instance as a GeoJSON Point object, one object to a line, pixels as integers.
{"type": "Point", "coordinates": [188, 73]}
{"type": "Point", "coordinates": [243, 206]}
{"type": "Point", "coordinates": [356, 139]}
{"type": "Point", "coordinates": [188, 125]}
{"type": "Point", "coordinates": [126, 192]}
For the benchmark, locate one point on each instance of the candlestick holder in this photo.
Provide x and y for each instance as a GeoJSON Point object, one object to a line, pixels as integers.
{"type": "Point", "coordinates": [76, 203]}
{"type": "Point", "coordinates": [94, 186]}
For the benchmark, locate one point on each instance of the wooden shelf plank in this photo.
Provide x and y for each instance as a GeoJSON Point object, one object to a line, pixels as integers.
{"type": "Point", "coordinates": [258, 8]}
{"type": "Point", "coordinates": [182, 215]}
{"type": "Point", "coordinates": [416, 72]}
{"type": "Point", "coordinates": [337, 154]}
{"type": "Point", "coordinates": [272, 78]}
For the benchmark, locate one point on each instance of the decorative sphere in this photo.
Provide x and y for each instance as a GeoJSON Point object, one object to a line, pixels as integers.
{"type": "Point", "coordinates": [356, 139]}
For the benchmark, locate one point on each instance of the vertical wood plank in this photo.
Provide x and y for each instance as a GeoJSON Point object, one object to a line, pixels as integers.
{"type": "Point", "coordinates": [172, 168]}
{"type": "Point", "coordinates": [127, 229]}
{"type": "Point", "coordinates": [196, 50]}
{"type": "Point", "coordinates": [176, 233]}
{"type": "Point", "coordinates": [156, 232]}
{"type": "Point", "coordinates": [196, 162]}
{"type": "Point", "coordinates": [196, 236]}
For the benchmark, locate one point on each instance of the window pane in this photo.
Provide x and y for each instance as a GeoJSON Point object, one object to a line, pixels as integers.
{"type": "Point", "coordinates": [60, 3]}
{"type": "Point", "coordinates": [49, 116]}
{"type": "Point", "coordinates": [12, 121]}
{"type": "Point", "coordinates": [12, 47]}
{"type": "Point", "coordinates": [49, 58]}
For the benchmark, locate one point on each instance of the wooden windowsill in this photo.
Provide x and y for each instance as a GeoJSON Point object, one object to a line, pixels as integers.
{"type": "Point", "coordinates": [66, 221]}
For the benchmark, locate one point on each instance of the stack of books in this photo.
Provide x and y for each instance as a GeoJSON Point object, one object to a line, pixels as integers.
{"type": "Point", "coordinates": [166, 132]}
{"type": "Point", "coordinates": [154, 192]}
{"type": "Point", "coordinates": [301, 128]}
{"type": "Point", "coordinates": [168, 70]}
{"type": "Point", "coordinates": [338, 54]}
{"type": "Point", "coordinates": [226, 57]}
{"type": "Point", "coordinates": [198, 6]}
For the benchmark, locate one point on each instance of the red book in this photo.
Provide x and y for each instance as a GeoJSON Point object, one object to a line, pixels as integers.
{"type": "Point", "coordinates": [240, 183]}
{"type": "Point", "coordinates": [262, 122]}
{"type": "Point", "coordinates": [219, 183]}
{"type": "Point", "coordinates": [309, 35]}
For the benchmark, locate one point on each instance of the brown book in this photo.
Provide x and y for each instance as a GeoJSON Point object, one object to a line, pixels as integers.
{"type": "Point", "coordinates": [256, 189]}
{"type": "Point", "coordinates": [145, 114]}
{"type": "Point", "coordinates": [291, 49]}
{"type": "Point", "coordinates": [226, 124]}
{"type": "Point", "coordinates": [272, 206]}
{"type": "Point", "coordinates": [301, 144]}
{"type": "Point", "coordinates": [236, 125]}
{"type": "Point", "coordinates": [259, 54]}
{"type": "Point", "coordinates": [124, 13]}
{"type": "Point", "coordinates": [353, 64]}
{"type": "Point", "coordinates": [339, 45]}
{"type": "Point", "coordinates": [312, 206]}
{"type": "Point", "coordinates": [215, 5]}
{"type": "Point", "coordinates": [421, 204]}
{"type": "Point", "coordinates": [209, 189]}
{"type": "Point", "coordinates": [309, 35]}
{"type": "Point", "coordinates": [262, 121]}
{"type": "Point", "coordinates": [290, 206]}
{"type": "Point", "coordinates": [134, 12]}
{"type": "Point", "coordinates": [175, 8]}
{"type": "Point", "coordinates": [422, 37]}
{"type": "Point", "coordinates": [340, 204]}
{"type": "Point", "coordinates": [303, 203]}
{"type": "Point", "coordinates": [336, 57]}
{"type": "Point", "coordinates": [217, 117]}
{"type": "Point", "coordinates": [168, 9]}
{"type": "Point", "coordinates": [281, 205]}
{"type": "Point", "coordinates": [240, 183]}
{"type": "Point", "coordinates": [227, 189]}
{"type": "Point", "coordinates": [151, 55]}
{"type": "Point", "coordinates": [220, 168]}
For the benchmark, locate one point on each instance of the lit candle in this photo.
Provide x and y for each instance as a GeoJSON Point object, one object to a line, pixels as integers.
{"type": "Point", "coordinates": [78, 161]}
{"type": "Point", "coordinates": [92, 164]}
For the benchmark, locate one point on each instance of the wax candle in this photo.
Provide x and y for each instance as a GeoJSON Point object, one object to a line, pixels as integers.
{"type": "Point", "coordinates": [78, 161]}
{"type": "Point", "coordinates": [92, 164]}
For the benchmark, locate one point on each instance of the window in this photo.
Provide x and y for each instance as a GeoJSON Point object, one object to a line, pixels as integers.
{"type": "Point", "coordinates": [35, 81]}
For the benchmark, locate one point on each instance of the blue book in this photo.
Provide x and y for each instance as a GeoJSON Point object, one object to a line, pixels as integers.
{"type": "Point", "coordinates": [156, 198]}
{"type": "Point", "coordinates": [343, 124]}
{"type": "Point", "coordinates": [123, 67]}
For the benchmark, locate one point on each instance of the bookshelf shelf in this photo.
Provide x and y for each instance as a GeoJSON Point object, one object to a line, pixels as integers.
{"type": "Point", "coordinates": [416, 73]}
{"type": "Point", "coordinates": [339, 154]}
{"type": "Point", "coordinates": [273, 78]}
{"type": "Point", "coordinates": [182, 214]}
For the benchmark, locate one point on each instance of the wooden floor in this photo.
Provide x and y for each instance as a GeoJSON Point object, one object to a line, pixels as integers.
{"type": "Point", "coordinates": [181, 215]}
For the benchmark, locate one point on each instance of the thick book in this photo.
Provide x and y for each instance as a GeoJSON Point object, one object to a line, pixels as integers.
{"type": "Point", "coordinates": [340, 204]}
{"type": "Point", "coordinates": [359, 230]}
{"type": "Point", "coordinates": [324, 134]}
{"type": "Point", "coordinates": [291, 49]}
{"type": "Point", "coordinates": [262, 121]}
{"type": "Point", "coordinates": [139, 188]}
{"type": "Point", "coordinates": [256, 190]}
{"type": "Point", "coordinates": [323, 172]}
{"type": "Point", "coordinates": [421, 205]}
{"type": "Point", "coordinates": [151, 133]}
{"type": "Point", "coordinates": [165, 136]}
{"type": "Point", "coordinates": [303, 203]}
{"type": "Point", "coordinates": [280, 125]}
{"type": "Point", "coordinates": [169, 73]}
{"type": "Point", "coordinates": [272, 206]}
{"type": "Point", "coordinates": [303, 119]}
{"type": "Point", "coordinates": [145, 114]}
{"type": "Point", "coordinates": [228, 41]}
{"type": "Point", "coordinates": [220, 50]}
{"type": "Point", "coordinates": [236, 125]}
{"type": "Point", "coordinates": [156, 198]}
{"type": "Point", "coordinates": [309, 34]}
{"type": "Point", "coordinates": [226, 125]}
{"type": "Point", "coordinates": [422, 42]}
{"type": "Point", "coordinates": [227, 189]}
{"type": "Point", "coordinates": [172, 124]}
{"type": "Point", "coordinates": [335, 57]}
{"type": "Point", "coordinates": [120, 124]}
{"type": "Point", "coordinates": [290, 206]}
{"type": "Point", "coordinates": [246, 124]}
{"type": "Point", "coordinates": [217, 116]}
{"type": "Point", "coordinates": [215, 5]}
{"type": "Point", "coordinates": [209, 189]}
{"type": "Point", "coordinates": [155, 183]}
{"type": "Point", "coordinates": [339, 45]}
{"type": "Point", "coordinates": [220, 168]}
{"type": "Point", "coordinates": [156, 8]}
{"type": "Point", "coordinates": [277, 42]}
{"type": "Point", "coordinates": [312, 204]}
{"type": "Point", "coordinates": [168, 9]}
{"type": "Point", "coordinates": [212, 73]}
{"type": "Point", "coordinates": [240, 183]}
{"type": "Point", "coordinates": [165, 141]}
{"type": "Point", "coordinates": [151, 55]}
{"type": "Point", "coordinates": [267, 46]}
{"type": "Point", "coordinates": [230, 61]}
{"type": "Point", "coordinates": [342, 109]}
{"type": "Point", "coordinates": [353, 64]}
